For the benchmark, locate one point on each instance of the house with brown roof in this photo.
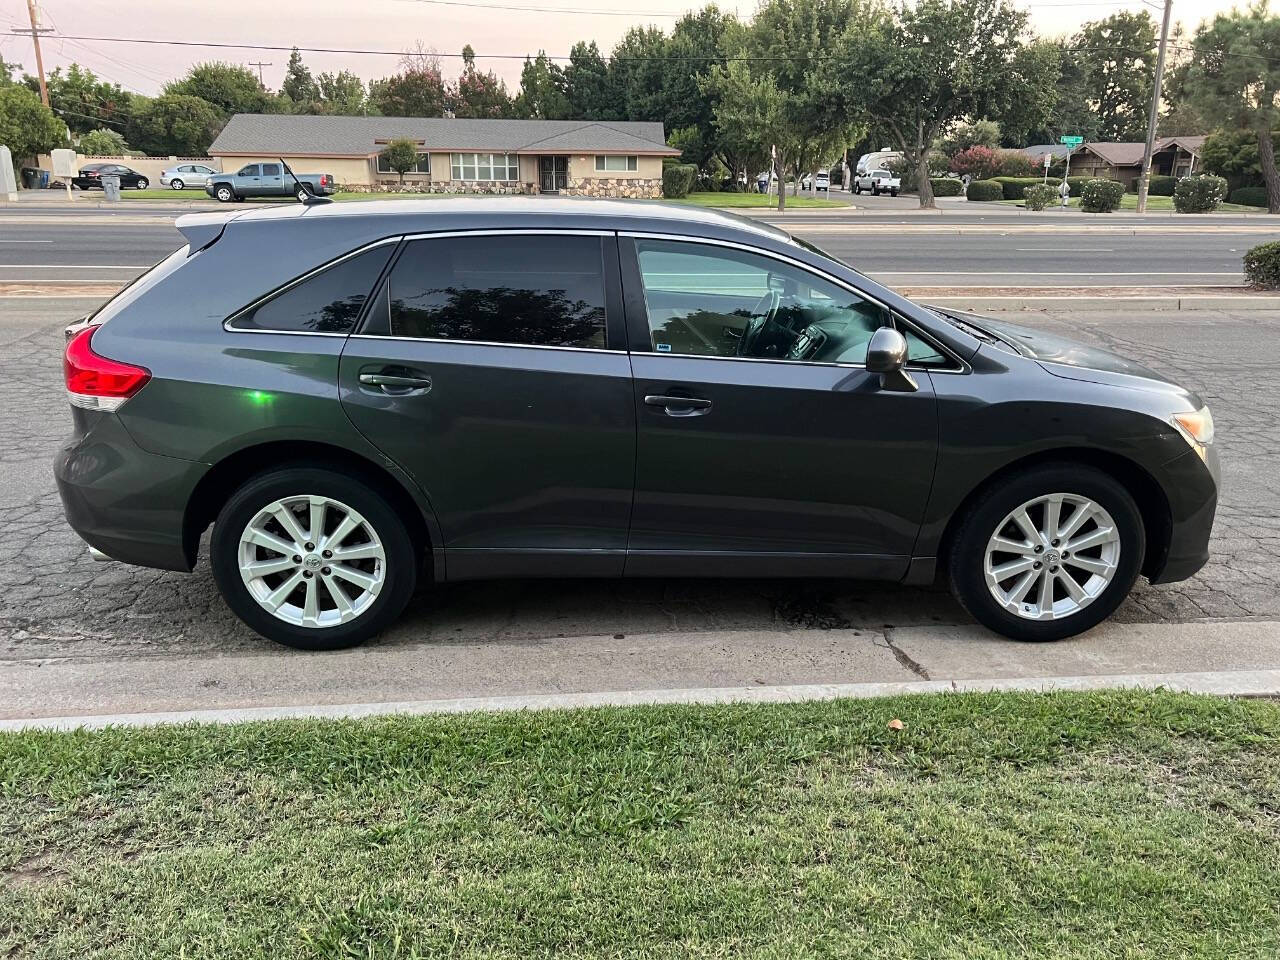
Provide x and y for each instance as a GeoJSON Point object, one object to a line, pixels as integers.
{"type": "Point", "coordinates": [1170, 156]}
{"type": "Point", "coordinates": [587, 157]}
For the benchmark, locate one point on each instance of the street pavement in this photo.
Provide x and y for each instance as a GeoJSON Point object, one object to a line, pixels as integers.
{"type": "Point", "coordinates": [79, 637]}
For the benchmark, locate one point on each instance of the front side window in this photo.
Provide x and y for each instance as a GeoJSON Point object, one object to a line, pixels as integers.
{"type": "Point", "coordinates": [250, 171]}
{"type": "Point", "coordinates": [544, 290]}
{"type": "Point", "coordinates": [325, 302]}
{"type": "Point", "coordinates": [616, 163]}
{"type": "Point", "coordinates": [484, 166]}
{"type": "Point", "coordinates": [705, 300]}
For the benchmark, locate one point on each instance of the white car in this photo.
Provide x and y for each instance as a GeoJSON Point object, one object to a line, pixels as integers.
{"type": "Point", "coordinates": [818, 181]}
{"type": "Point", "coordinates": [877, 182]}
{"type": "Point", "coordinates": [186, 175]}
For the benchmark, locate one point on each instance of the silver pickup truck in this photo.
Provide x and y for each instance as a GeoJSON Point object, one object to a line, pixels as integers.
{"type": "Point", "coordinates": [267, 180]}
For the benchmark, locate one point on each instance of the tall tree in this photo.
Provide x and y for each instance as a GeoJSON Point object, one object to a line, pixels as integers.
{"type": "Point", "coordinates": [638, 68]}
{"type": "Point", "coordinates": [915, 74]}
{"type": "Point", "coordinates": [542, 93]}
{"type": "Point", "coordinates": [754, 118]}
{"type": "Point", "coordinates": [230, 88]}
{"type": "Point", "coordinates": [1118, 54]}
{"type": "Point", "coordinates": [174, 124]}
{"type": "Point", "coordinates": [476, 94]}
{"type": "Point", "coordinates": [342, 94]}
{"type": "Point", "coordinates": [299, 86]}
{"type": "Point", "coordinates": [1032, 98]}
{"type": "Point", "coordinates": [697, 46]}
{"type": "Point", "coordinates": [27, 126]}
{"type": "Point", "coordinates": [1235, 76]}
{"type": "Point", "coordinates": [588, 85]}
{"type": "Point", "coordinates": [82, 99]}
{"type": "Point", "coordinates": [418, 90]}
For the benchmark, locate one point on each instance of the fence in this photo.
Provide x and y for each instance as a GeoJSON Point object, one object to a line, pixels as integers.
{"type": "Point", "coordinates": [149, 167]}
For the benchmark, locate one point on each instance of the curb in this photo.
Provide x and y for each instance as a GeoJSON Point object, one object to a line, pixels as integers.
{"type": "Point", "coordinates": [1250, 683]}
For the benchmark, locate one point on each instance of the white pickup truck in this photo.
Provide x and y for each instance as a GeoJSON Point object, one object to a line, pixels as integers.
{"type": "Point", "coordinates": [877, 182]}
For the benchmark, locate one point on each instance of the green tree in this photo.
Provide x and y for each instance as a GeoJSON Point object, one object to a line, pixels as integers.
{"type": "Point", "coordinates": [1032, 98]}
{"type": "Point", "coordinates": [27, 126]}
{"type": "Point", "coordinates": [978, 133]}
{"type": "Point", "coordinates": [7, 71]}
{"type": "Point", "coordinates": [1118, 55]}
{"type": "Point", "coordinates": [697, 45]}
{"type": "Point", "coordinates": [753, 116]}
{"type": "Point", "coordinates": [476, 94]}
{"type": "Point", "coordinates": [342, 94]}
{"type": "Point", "coordinates": [174, 124]}
{"type": "Point", "coordinates": [638, 69]}
{"type": "Point", "coordinates": [83, 100]}
{"type": "Point", "coordinates": [418, 90]}
{"type": "Point", "coordinates": [1233, 154]}
{"type": "Point", "coordinates": [299, 86]}
{"type": "Point", "coordinates": [229, 87]}
{"type": "Point", "coordinates": [913, 75]}
{"type": "Point", "coordinates": [1235, 76]}
{"type": "Point", "coordinates": [589, 87]}
{"type": "Point", "coordinates": [542, 93]}
{"type": "Point", "coordinates": [401, 156]}
{"type": "Point", "coordinates": [102, 143]}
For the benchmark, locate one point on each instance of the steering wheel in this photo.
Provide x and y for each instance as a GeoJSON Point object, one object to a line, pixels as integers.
{"type": "Point", "coordinates": [762, 314]}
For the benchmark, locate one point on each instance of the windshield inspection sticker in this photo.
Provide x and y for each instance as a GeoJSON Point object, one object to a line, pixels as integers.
{"type": "Point", "coordinates": [662, 347]}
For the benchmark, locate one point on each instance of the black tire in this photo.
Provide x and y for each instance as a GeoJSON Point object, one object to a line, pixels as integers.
{"type": "Point", "coordinates": [400, 565]}
{"type": "Point", "coordinates": [966, 558]}
{"type": "Point", "coordinates": [224, 193]}
{"type": "Point", "coordinates": [176, 185]}
{"type": "Point", "coordinates": [875, 189]}
{"type": "Point", "coordinates": [893, 193]}
{"type": "Point", "coordinates": [143, 183]}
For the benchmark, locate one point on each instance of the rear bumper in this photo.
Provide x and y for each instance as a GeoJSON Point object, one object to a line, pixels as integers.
{"type": "Point", "coordinates": [123, 501]}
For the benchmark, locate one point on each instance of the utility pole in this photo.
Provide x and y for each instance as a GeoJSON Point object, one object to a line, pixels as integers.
{"type": "Point", "coordinates": [34, 13]}
{"type": "Point", "coordinates": [1145, 181]}
{"type": "Point", "coordinates": [259, 66]}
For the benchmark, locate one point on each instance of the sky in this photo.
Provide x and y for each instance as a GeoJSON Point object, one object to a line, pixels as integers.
{"type": "Point", "coordinates": [490, 26]}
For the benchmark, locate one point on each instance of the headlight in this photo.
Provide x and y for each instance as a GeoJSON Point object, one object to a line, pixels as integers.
{"type": "Point", "coordinates": [1196, 428]}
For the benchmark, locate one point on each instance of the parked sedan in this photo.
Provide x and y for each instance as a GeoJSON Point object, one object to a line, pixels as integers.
{"type": "Point", "coordinates": [186, 175]}
{"type": "Point", "coordinates": [91, 177]}
{"type": "Point", "coordinates": [469, 389]}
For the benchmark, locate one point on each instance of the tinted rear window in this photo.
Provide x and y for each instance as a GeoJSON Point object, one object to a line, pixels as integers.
{"type": "Point", "coordinates": [543, 290]}
{"type": "Point", "coordinates": [325, 302]}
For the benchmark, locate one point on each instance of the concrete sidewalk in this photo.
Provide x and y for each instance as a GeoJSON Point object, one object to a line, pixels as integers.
{"type": "Point", "coordinates": [1226, 657]}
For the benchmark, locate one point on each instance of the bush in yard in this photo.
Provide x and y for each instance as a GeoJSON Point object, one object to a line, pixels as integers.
{"type": "Point", "coordinates": [1077, 184]}
{"type": "Point", "coordinates": [1015, 187]}
{"type": "Point", "coordinates": [979, 162]}
{"type": "Point", "coordinates": [1161, 186]}
{"type": "Point", "coordinates": [1101, 196]}
{"type": "Point", "coordinates": [984, 190]}
{"type": "Point", "coordinates": [1249, 196]}
{"type": "Point", "coordinates": [677, 180]}
{"type": "Point", "coordinates": [948, 186]}
{"type": "Point", "coordinates": [102, 143]}
{"type": "Point", "coordinates": [1262, 266]}
{"type": "Point", "coordinates": [1200, 193]}
{"type": "Point", "coordinates": [1039, 195]}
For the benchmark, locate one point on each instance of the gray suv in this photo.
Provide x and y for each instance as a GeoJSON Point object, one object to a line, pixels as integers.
{"type": "Point", "coordinates": [446, 390]}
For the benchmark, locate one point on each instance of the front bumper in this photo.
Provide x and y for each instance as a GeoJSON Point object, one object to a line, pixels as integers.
{"type": "Point", "coordinates": [1191, 485]}
{"type": "Point", "coordinates": [121, 500]}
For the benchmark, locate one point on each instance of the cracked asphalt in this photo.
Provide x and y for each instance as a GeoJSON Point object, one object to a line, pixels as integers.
{"type": "Point", "coordinates": [57, 603]}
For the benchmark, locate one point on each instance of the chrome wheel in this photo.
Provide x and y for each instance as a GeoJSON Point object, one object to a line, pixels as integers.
{"type": "Point", "coordinates": [312, 561]}
{"type": "Point", "coordinates": [1052, 556]}
{"type": "Point", "coordinates": [175, 184]}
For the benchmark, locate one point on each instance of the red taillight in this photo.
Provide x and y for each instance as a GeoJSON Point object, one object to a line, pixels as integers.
{"type": "Point", "coordinates": [93, 381]}
{"type": "Point", "coordinates": [324, 179]}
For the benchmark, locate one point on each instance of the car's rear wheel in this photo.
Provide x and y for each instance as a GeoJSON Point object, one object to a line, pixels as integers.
{"type": "Point", "coordinates": [224, 194]}
{"type": "Point", "coordinates": [1048, 553]}
{"type": "Point", "coordinates": [176, 184]}
{"type": "Point", "coordinates": [301, 194]}
{"type": "Point", "coordinates": [312, 559]}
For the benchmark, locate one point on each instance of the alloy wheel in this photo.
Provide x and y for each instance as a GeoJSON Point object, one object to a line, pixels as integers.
{"type": "Point", "coordinates": [312, 561]}
{"type": "Point", "coordinates": [1052, 556]}
{"type": "Point", "coordinates": [175, 184]}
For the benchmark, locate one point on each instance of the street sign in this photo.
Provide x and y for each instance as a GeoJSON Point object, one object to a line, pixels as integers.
{"type": "Point", "coordinates": [1071, 141]}
{"type": "Point", "coordinates": [1048, 160]}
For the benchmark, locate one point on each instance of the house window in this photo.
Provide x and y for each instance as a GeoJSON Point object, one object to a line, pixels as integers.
{"type": "Point", "coordinates": [422, 166]}
{"type": "Point", "coordinates": [485, 166]}
{"type": "Point", "coordinates": [604, 164]}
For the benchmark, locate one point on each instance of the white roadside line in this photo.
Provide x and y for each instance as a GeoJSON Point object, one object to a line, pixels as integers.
{"type": "Point", "coordinates": [26, 241]}
{"type": "Point", "coordinates": [74, 266]}
{"type": "Point", "coordinates": [1248, 683]}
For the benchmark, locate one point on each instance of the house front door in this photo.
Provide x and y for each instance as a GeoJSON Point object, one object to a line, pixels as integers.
{"type": "Point", "coordinates": [553, 174]}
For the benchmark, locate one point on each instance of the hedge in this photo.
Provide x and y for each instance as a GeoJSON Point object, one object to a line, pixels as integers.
{"type": "Point", "coordinates": [1101, 196]}
{"type": "Point", "coordinates": [678, 179]}
{"type": "Point", "coordinates": [1077, 184]}
{"type": "Point", "coordinates": [951, 187]}
{"type": "Point", "coordinates": [984, 190]}
{"type": "Point", "coordinates": [1201, 193]}
{"type": "Point", "coordinates": [1160, 185]}
{"type": "Point", "coordinates": [1039, 195]}
{"type": "Point", "coordinates": [1015, 187]}
{"type": "Point", "coordinates": [1249, 196]}
{"type": "Point", "coordinates": [1262, 265]}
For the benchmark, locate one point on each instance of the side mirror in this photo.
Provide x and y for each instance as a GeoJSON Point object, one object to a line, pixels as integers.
{"type": "Point", "coordinates": [887, 356]}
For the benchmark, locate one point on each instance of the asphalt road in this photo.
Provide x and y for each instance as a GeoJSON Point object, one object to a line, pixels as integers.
{"type": "Point", "coordinates": [96, 247]}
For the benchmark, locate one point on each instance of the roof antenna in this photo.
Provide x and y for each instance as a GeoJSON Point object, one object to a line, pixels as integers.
{"type": "Point", "coordinates": [311, 198]}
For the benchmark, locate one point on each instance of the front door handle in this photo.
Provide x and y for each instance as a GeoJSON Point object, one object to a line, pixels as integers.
{"type": "Point", "coordinates": [679, 406]}
{"type": "Point", "coordinates": [397, 384]}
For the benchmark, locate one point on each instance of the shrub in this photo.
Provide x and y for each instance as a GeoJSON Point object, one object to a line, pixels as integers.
{"type": "Point", "coordinates": [1262, 265]}
{"type": "Point", "coordinates": [1015, 163]}
{"type": "Point", "coordinates": [1101, 196]}
{"type": "Point", "coordinates": [984, 190]}
{"type": "Point", "coordinates": [677, 180]}
{"type": "Point", "coordinates": [946, 186]}
{"type": "Point", "coordinates": [1161, 186]}
{"type": "Point", "coordinates": [1200, 193]}
{"type": "Point", "coordinates": [1077, 184]}
{"type": "Point", "coordinates": [1249, 196]}
{"type": "Point", "coordinates": [979, 162]}
{"type": "Point", "coordinates": [1015, 187]}
{"type": "Point", "coordinates": [1039, 195]}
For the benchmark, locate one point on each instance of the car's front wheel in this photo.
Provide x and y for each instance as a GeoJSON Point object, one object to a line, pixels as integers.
{"type": "Point", "coordinates": [176, 184]}
{"type": "Point", "coordinates": [224, 194]}
{"type": "Point", "coordinates": [143, 183]}
{"type": "Point", "coordinates": [312, 559]}
{"type": "Point", "coordinates": [1047, 553]}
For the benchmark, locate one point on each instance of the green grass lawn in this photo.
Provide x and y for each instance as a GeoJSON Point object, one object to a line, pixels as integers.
{"type": "Point", "coordinates": [1156, 204]}
{"type": "Point", "coordinates": [1070, 825]}
{"type": "Point", "coordinates": [756, 200]}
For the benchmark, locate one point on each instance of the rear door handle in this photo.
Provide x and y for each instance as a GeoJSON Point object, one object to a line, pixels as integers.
{"type": "Point", "coordinates": [397, 384]}
{"type": "Point", "coordinates": [679, 406]}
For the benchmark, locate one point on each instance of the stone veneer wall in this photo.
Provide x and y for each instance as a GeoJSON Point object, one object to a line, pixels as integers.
{"type": "Point", "coordinates": [583, 187]}
{"type": "Point", "coordinates": [632, 187]}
